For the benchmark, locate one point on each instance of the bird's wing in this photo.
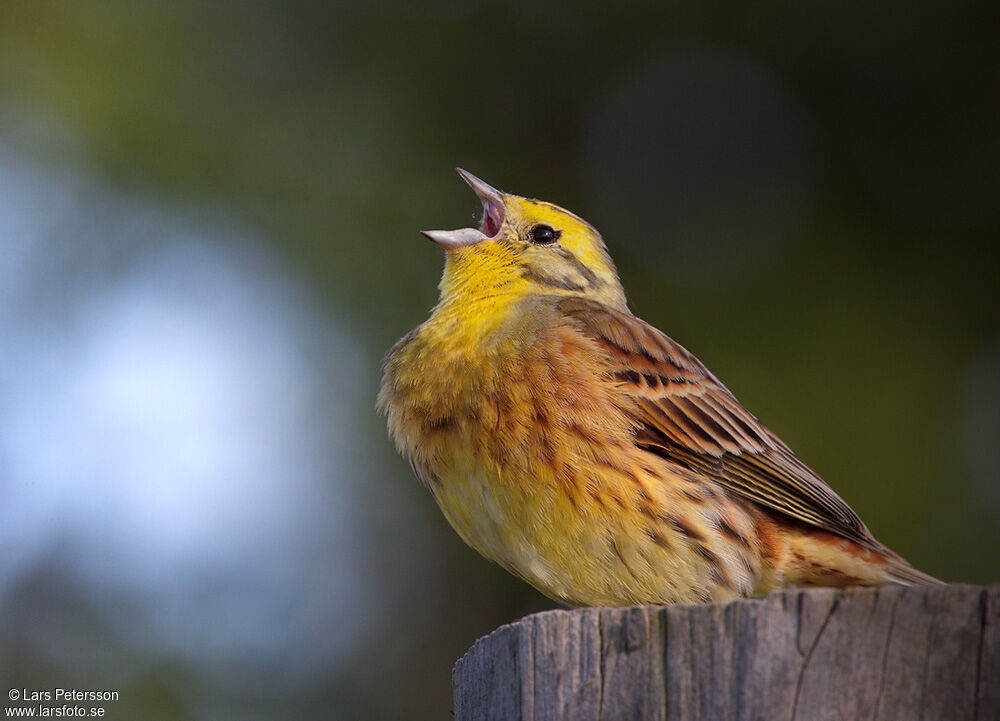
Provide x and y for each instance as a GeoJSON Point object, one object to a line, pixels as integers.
{"type": "Point", "coordinates": [687, 416]}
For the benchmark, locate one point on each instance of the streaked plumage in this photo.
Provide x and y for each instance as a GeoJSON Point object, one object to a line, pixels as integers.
{"type": "Point", "coordinates": [587, 452]}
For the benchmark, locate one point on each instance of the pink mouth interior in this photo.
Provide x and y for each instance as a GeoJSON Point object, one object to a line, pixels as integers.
{"type": "Point", "coordinates": [492, 218]}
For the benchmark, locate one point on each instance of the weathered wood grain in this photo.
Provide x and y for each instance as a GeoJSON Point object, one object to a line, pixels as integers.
{"type": "Point", "coordinates": [889, 654]}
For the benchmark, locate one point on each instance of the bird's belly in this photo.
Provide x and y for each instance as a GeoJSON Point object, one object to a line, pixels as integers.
{"type": "Point", "coordinates": [578, 551]}
{"type": "Point", "coordinates": [522, 530]}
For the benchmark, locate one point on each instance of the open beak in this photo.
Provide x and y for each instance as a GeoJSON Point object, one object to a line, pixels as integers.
{"type": "Point", "coordinates": [493, 215]}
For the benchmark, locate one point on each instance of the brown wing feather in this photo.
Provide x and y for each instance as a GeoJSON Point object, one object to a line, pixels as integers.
{"type": "Point", "coordinates": [689, 417]}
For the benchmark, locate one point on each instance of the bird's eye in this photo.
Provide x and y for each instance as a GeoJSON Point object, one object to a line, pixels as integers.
{"type": "Point", "coordinates": [544, 234]}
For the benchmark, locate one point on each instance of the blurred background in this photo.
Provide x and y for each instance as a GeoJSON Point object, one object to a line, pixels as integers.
{"type": "Point", "coordinates": [208, 238]}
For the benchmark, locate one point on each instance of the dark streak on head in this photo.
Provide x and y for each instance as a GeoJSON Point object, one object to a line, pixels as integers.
{"type": "Point", "coordinates": [579, 265]}
{"type": "Point", "coordinates": [551, 281]}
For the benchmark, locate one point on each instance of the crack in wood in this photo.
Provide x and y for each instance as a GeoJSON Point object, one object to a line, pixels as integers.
{"type": "Point", "coordinates": [885, 656]}
{"type": "Point", "coordinates": [983, 616]}
{"type": "Point", "coordinates": [809, 655]}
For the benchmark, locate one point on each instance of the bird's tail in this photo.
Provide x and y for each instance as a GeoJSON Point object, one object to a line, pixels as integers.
{"type": "Point", "coordinates": [819, 558]}
{"type": "Point", "coordinates": [901, 572]}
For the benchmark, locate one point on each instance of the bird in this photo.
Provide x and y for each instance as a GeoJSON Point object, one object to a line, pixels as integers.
{"type": "Point", "coordinates": [587, 452]}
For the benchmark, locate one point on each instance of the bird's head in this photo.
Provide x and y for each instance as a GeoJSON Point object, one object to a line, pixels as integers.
{"type": "Point", "coordinates": [524, 247]}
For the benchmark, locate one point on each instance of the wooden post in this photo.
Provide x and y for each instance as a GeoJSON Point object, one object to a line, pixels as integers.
{"type": "Point", "coordinates": [930, 652]}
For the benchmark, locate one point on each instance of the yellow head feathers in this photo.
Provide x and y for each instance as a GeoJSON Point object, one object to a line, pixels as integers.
{"type": "Point", "coordinates": [524, 247]}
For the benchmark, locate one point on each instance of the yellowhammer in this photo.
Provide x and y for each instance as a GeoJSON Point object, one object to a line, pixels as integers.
{"type": "Point", "coordinates": [588, 453]}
